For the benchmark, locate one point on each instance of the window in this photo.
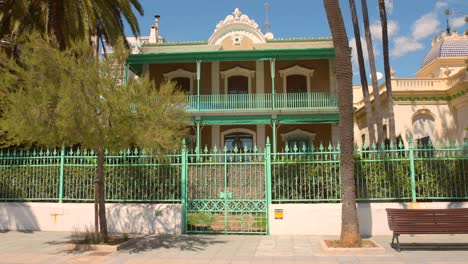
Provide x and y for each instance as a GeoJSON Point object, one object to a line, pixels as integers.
{"type": "Point", "coordinates": [297, 141]}
{"type": "Point", "coordinates": [238, 85]}
{"type": "Point", "coordinates": [296, 79]}
{"type": "Point", "coordinates": [183, 79]}
{"type": "Point", "coordinates": [183, 84]}
{"type": "Point", "coordinates": [299, 138]}
{"type": "Point", "coordinates": [238, 80]}
{"type": "Point", "coordinates": [423, 132]}
{"type": "Point", "coordinates": [239, 140]}
{"type": "Point", "coordinates": [296, 84]}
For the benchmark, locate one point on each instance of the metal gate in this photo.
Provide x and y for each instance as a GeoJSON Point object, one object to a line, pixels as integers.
{"type": "Point", "coordinates": [225, 193]}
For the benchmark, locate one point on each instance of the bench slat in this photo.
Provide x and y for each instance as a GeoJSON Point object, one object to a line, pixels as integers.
{"type": "Point", "coordinates": [428, 221]}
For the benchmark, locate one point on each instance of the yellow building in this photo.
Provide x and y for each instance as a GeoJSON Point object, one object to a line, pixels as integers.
{"type": "Point", "coordinates": [434, 105]}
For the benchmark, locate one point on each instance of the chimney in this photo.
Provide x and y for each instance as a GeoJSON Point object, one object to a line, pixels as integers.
{"type": "Point", "coordinates": [154, 31]}
{"type": "Point", "coordinates": [156, 25]}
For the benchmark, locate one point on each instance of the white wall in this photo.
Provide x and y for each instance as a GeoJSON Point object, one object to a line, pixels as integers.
{"type": "Point", "coordinates": [325, 219]}
{"type": "Point", "coordinates": [304, 219]}
{"type": "Point", "coordinates": [124, 217]}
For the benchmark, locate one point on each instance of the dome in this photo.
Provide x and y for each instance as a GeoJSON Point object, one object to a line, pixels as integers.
{"type": "Point", "coordinates": [447, 46]}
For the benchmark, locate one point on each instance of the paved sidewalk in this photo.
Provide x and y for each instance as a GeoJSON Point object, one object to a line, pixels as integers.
{"type": "Point", "coordinates": [48, 247]}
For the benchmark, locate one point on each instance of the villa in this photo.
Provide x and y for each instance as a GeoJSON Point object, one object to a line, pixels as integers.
{"type": "Point", "coordinates": [243, 85]}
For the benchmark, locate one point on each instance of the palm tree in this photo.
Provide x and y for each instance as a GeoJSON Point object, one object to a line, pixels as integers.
{"type": "Point", "coordinates": [349, 220]}
{"type": "Point", "coordinates": [388, 81]}
{"type": "Point", "coordinates": [375, 85]}
{"type": "Point", "coordinates": [70, 20]}
{"type": "Point", "coordinates": [362, 72]}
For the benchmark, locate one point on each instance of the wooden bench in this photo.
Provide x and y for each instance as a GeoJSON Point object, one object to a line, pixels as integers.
{"type": "Point", "coordinates": [426, 221]}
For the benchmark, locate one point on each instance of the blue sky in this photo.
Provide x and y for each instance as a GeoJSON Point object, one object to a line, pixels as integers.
{"type": "Point", "coordinates": [412, 23]}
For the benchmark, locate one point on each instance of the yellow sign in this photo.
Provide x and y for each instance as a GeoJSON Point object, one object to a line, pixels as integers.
{"type": "Point", "coordinates": [278, 213]}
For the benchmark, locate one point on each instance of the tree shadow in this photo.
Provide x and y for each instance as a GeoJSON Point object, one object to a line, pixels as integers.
{"type": "Point", "coordinates": [18, 217]}
{"type": "Point", "coordinates": [365, 219]}
{"type": "Point", "coordinates": [144, 218]}
{"type": "Point", "coordinates": [193, 243]}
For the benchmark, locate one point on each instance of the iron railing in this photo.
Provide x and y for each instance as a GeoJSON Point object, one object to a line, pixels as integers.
{"type": "Point", "coordinates": [393, 172]}
{"type": "Point", "coordinates": [262, 101]}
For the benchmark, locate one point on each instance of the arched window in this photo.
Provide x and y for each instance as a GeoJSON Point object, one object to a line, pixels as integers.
{"type": "Point", "coordinates": [423, 128]}
{"type": "Point", "coordinates": [239, 140]}
{"type": "Point", "coordinates": [183, 79]}
{"type": "Point", "coordinates": [298, 138]}
{"type": "Point", "coordinates": [296, 79]}
{"type": "Point", "coordinates": [241, 137]}
{"type": "Point", "coordinates": [237, 80]}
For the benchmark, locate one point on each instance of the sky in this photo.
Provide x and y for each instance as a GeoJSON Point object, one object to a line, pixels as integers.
{"type": "Point", "coordinates": [411, 23]}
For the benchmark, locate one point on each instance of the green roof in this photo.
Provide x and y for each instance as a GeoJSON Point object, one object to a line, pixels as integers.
{"type": "Point", "coordinates": [136, 60]}
{"type": "Point", "coordinates": [308, 39]}
{"type": "Point", "coordinates": [181, 43]}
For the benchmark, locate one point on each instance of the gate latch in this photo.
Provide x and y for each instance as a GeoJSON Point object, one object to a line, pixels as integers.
{"type": "Point", "coordinates": [226, 195]}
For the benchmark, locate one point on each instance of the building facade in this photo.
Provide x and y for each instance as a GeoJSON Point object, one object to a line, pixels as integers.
{"type": "Point", "coordinates": [433, 106]}
{"type": "Point", "coordinates": [243, 86]}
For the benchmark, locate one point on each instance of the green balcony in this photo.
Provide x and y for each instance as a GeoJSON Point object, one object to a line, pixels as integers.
{"type": "Point", "coordinates": [262, 102]}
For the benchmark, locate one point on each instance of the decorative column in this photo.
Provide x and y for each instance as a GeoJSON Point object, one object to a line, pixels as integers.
{"type": "Point", "coordinates": [198, 84]}
{"type": "Point", "coordinates": [272, 68]}
{"type": "Point", "coordinates": [273, 123]}
{"type": "Point", "coordinates": [197, 148]}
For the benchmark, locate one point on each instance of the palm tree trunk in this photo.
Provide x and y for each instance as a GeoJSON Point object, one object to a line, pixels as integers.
{"type": "Point", "coordinates": [388, 78]}
{"type": "Point", "coordinates": [102, 204]}
{"type": "Point", "coordinates": [362, 73]}
{"type": "Point", "coordinates": [350, 236]}
{"type": "Point", "coordinates": [375, 85]}
{"type": "Point", "coordinates": [55, 22]}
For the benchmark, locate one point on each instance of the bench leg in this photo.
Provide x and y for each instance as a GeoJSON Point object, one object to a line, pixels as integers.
{"type": "Point", "coordinates": [395, 236]}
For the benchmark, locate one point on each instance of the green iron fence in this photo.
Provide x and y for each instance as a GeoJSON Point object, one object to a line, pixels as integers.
{"type": "Point", "coordinates": [69, 175]}
{"type": "Point", "coordinates": [394, 172]}
{"type": "Point", "coordinates": [226, 192]}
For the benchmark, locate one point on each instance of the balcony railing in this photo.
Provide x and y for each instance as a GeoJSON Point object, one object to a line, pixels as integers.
{"type": "Point", "coordinates": [259, 101]}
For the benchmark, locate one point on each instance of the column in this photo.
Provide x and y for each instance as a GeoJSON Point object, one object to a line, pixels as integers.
{"type": "Point", "coordinates": [260, 137]}
{"type": "Point", "coordinates": [215, 77]}
{"type": "Point", "coordinates": [197, 148]}
{"type": "Point", "coordinates": [273, 126]}
{"type": "Point", "coordinates": [272, 68]}
{"type": "Point", "coordinates": [215, 136]}
{"type": "Point", "coordinates": [259, 76]}
{"type": "Point", "coordinates": [198, 84]}
{"type": "Point", "coordinates": [334, 135]}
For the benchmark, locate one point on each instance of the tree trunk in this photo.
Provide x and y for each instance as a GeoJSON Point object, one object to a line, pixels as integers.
{"type": "Point", "coordinates": [362, 73]}
{"type": "Point", "coordinates": [55, 22]}
{"type": "Point", "coordinates": [350, 236]}
{"type": "Point", "coordinates": [375, 85]}
{"type": "Point", "coordinates": [102, 204]}
{"type": "Point", "coordinates": [388, 77]}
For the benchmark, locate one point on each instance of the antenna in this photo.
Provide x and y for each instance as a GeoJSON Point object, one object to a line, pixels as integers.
{"type": "Point", "coordinates": [448, 12]}
{"type": "Point", "coordinates": [267, 19]}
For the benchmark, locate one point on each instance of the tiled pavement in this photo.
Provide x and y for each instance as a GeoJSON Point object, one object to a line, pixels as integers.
{"type": "Point", "coordinates": [48, 247]}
